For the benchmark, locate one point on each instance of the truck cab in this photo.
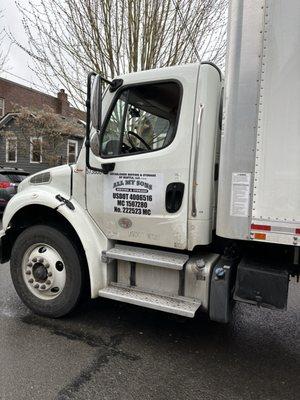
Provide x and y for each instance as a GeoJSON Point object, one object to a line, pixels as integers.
{"type": "Point", "coordinates": [163, 209]}
{"type": "Point", "coordinates": [159, 133]}
{"type": "Point", "coordinates": [139, 200]}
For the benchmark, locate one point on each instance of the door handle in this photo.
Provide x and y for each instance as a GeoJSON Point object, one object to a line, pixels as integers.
{"type": "Point", "coordinates": [174, 196]}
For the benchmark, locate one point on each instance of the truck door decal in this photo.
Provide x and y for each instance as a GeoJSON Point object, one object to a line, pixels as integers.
{"type": "Point", "coordinates": [140, 194]}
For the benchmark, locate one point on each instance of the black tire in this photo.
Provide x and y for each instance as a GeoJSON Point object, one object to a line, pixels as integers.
{"type": "Point", "coordinates": [71, 293]}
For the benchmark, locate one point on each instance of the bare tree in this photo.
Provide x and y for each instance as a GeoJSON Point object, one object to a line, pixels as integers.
{"type": "Point", "coordinates": [69, 38]}
{"type": "Point", "coordinates": [43, 133]}
{"type": "Point", "coordinates": [3, 53]}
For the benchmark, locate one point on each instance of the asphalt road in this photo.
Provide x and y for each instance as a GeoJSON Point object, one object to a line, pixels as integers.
{"type": "Point", "coordinates": [110, 351]}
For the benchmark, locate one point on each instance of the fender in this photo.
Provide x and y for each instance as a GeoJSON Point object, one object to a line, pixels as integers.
{"type": "Point", "coordinates": [92, 238]}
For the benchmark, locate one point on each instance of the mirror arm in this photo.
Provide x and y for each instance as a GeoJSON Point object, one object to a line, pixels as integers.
{"type": "Point", "coordinates": [88, 127]}
{"type": "Point", "coordinates": [106, 167]}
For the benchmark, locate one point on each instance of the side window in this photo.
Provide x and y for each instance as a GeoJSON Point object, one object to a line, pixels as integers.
{"type": "Point", "coordinates": [72, 151]}
{"type": "Point", "coordinates": [2, 107]}
{"type": "Point", "coordinates": [11, 150]}
{"type": "Point", "coordinates": [143, 119]}
{"type": "Point", "coordinates": [35, 149]}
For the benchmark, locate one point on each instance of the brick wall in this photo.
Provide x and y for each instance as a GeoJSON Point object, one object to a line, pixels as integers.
{"type": "Point", "coordinates": [15, 94]}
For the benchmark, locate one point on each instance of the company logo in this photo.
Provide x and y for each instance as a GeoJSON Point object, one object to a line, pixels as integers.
{"type": "Point", "coordinates": [125, 223]}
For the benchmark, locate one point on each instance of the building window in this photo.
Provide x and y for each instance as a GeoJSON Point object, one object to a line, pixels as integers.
{"type": "Point", "coordinates": [2, 107]}
{"type": "Point", "coordinates": [11, 150]}
{"type": "Point", "coordinates": [72, 151]}
{"type": "Point", "coordinates": [35, 149]}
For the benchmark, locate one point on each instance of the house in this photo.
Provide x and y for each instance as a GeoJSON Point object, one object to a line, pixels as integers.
{"type": "Point", "coordinates": [25, 146]}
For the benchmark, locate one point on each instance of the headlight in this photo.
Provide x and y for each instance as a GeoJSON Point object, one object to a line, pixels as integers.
{"type": "Point", "coordinates": [42, 178]}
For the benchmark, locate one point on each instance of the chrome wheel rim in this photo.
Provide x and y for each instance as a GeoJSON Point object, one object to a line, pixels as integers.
{"type": "Point", "coordinates": [44, 271]}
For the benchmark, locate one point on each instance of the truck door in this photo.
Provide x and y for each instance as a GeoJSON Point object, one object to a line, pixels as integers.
{"type": "Point", "coordinates": [146, 136]}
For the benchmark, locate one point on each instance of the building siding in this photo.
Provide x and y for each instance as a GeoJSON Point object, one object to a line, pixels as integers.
{"type": "Point", "coordinates": [23, 150]}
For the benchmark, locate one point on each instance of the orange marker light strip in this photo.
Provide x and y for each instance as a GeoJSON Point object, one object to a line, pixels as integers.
{"type": "Point", "coordinates": [260, 236]}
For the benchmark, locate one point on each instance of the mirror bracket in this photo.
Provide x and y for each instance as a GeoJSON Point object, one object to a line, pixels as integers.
{"type": "Point", "coordinates": [115, 84]}
{"type": "Point", "coordinates": [106, 168]}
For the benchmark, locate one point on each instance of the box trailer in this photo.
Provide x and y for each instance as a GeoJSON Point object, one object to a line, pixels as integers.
{"type": "Point", "coordinates": [186, 194]}
{"type": "Point", "coordinates": [259, 197]}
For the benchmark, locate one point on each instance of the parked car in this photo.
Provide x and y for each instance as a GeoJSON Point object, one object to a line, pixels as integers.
{"type": "Point", "coordinates": [9, 182]}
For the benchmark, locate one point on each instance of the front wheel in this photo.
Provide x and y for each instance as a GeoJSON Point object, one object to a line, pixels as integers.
{"type": "Point", "coordinates": [46, 272]}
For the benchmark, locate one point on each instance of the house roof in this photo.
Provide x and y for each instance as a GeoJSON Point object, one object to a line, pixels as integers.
{"type": "Point", "coordinates": [5, 120]}
{"type": "Point", "coordinates": [16, 94]}
{"type": "Point", "coordinates": [78, 124]}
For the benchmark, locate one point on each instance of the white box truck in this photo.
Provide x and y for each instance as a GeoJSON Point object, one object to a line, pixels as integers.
{"type": "Point", "coordinates": [165, 208]}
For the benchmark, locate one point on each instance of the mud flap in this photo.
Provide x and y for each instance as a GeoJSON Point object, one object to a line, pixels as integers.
{"type": "Point", "coordinates": [261, 285]}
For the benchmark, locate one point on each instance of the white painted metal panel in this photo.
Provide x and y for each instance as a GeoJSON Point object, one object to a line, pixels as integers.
{"type": "Point", "coordinates": [169, 164]}
{"type": "Point", "coordinates": [206, 133]}
{"type": "Point", "coordinates": [277, 167]}
{"type": "Point", "coordinates": [238, 139]}
{"type": "Point", "coordinates": [261, 135]}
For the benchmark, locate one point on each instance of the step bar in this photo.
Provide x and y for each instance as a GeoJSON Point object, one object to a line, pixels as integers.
{"type": "Point", "coordinates": [175, 305]}
{"type": "Point", "coordinates": [141, 255]}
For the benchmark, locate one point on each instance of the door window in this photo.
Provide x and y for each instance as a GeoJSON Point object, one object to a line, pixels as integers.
{"type": "Point", "coordinates": [143, 119]}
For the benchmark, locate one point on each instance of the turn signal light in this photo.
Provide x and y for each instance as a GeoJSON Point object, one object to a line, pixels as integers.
{"type": "Point", "coordinates": [260, 236]}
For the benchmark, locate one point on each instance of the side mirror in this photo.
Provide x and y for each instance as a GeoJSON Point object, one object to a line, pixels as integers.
{"type": "Point", "coordinates": [93, 117]}
{"type": "Point", "coordinates": [96, 101]}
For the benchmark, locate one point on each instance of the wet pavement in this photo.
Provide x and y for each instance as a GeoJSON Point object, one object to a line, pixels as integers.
{"type": "Point", "coordinates": [112, 351]}
{"type": "Point", "coordinates": [109, 350]}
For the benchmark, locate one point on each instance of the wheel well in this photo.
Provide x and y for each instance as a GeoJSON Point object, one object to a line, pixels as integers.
{"type": "Point", "coordinates": [37, 214]}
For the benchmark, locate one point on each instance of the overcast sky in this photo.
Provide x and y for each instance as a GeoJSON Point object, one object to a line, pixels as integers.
{"type": "Point", "coordinates": [18, 62]}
